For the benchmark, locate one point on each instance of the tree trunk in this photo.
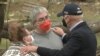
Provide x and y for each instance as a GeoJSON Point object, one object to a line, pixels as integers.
{"type": "Point", "coordinates": [95, 27]}
{"type": "Point", "coordinates": [2, 8]}
{"type": "Point", "coordinates": [2, 14]}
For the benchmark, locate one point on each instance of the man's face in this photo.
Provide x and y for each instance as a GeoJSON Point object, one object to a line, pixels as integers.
{"type": "Point", "coordinates": [66, 20]}
{"type": "Point", "coordinates": [65, 17]}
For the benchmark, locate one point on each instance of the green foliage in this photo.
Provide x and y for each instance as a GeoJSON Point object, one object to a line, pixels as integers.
{"type": "Point", "coordinates": [98, 39]}
{"type": "Point", "coordinates": [4, 44]}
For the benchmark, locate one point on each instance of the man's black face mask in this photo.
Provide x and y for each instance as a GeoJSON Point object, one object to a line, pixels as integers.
{"type": "Point", "coordinates": [64, 23]}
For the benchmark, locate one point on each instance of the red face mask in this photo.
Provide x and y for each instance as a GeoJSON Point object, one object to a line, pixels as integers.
{"type": "Point", "coordinates": [45, 26]}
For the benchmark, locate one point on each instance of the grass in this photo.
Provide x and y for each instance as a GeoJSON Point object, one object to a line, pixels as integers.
{"type": "Point", "coordinates": [98, 39]}
{"type": "Point", "coordinates": [4, 44]}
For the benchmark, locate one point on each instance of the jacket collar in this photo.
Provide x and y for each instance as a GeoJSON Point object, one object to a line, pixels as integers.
{"type": "Point", "coordinates": [79, 25]}
{"type": "Point", "coordinates": [75, 25]}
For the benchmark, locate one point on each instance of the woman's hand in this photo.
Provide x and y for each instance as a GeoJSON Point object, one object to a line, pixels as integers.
{"type": "Point", "coordinates": [59, 31]}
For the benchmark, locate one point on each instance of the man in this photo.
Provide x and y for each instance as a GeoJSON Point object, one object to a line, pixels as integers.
{"type": "Point", "coordinates": [81, 41]}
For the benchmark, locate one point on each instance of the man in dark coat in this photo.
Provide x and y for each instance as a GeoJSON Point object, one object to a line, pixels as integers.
{"type": "Point", "coordinates": [80, 41]}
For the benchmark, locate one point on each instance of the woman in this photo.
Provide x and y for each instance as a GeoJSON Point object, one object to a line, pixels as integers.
{"type": "Point", "coordinates": [19, 36]}
{"type": "Point", "coordinates": [43, 33]}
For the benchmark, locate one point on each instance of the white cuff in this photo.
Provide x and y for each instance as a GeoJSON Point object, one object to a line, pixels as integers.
{"type": "Point", "coordinates": [63, 35]}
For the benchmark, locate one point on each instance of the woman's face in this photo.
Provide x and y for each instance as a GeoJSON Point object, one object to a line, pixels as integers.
{"type": "Point", "coordinates": [28, 39]}
{"type": "Point", "coordinates": [43, 22]}
{"type": "Point", "coordinates": [42, 17]}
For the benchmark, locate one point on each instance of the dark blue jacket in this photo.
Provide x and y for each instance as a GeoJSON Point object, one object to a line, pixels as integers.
{"type": "Point", "coordinates": [81, 41]}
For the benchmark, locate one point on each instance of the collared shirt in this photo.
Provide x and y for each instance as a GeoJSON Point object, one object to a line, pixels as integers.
{"type": "Point", "coordinates": [75, 25]}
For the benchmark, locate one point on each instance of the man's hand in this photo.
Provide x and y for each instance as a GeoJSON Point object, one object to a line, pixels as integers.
{"type": "Point", "coordinates": [28, 49]}
{"type": "Point", "coordinates": [59, 31]}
